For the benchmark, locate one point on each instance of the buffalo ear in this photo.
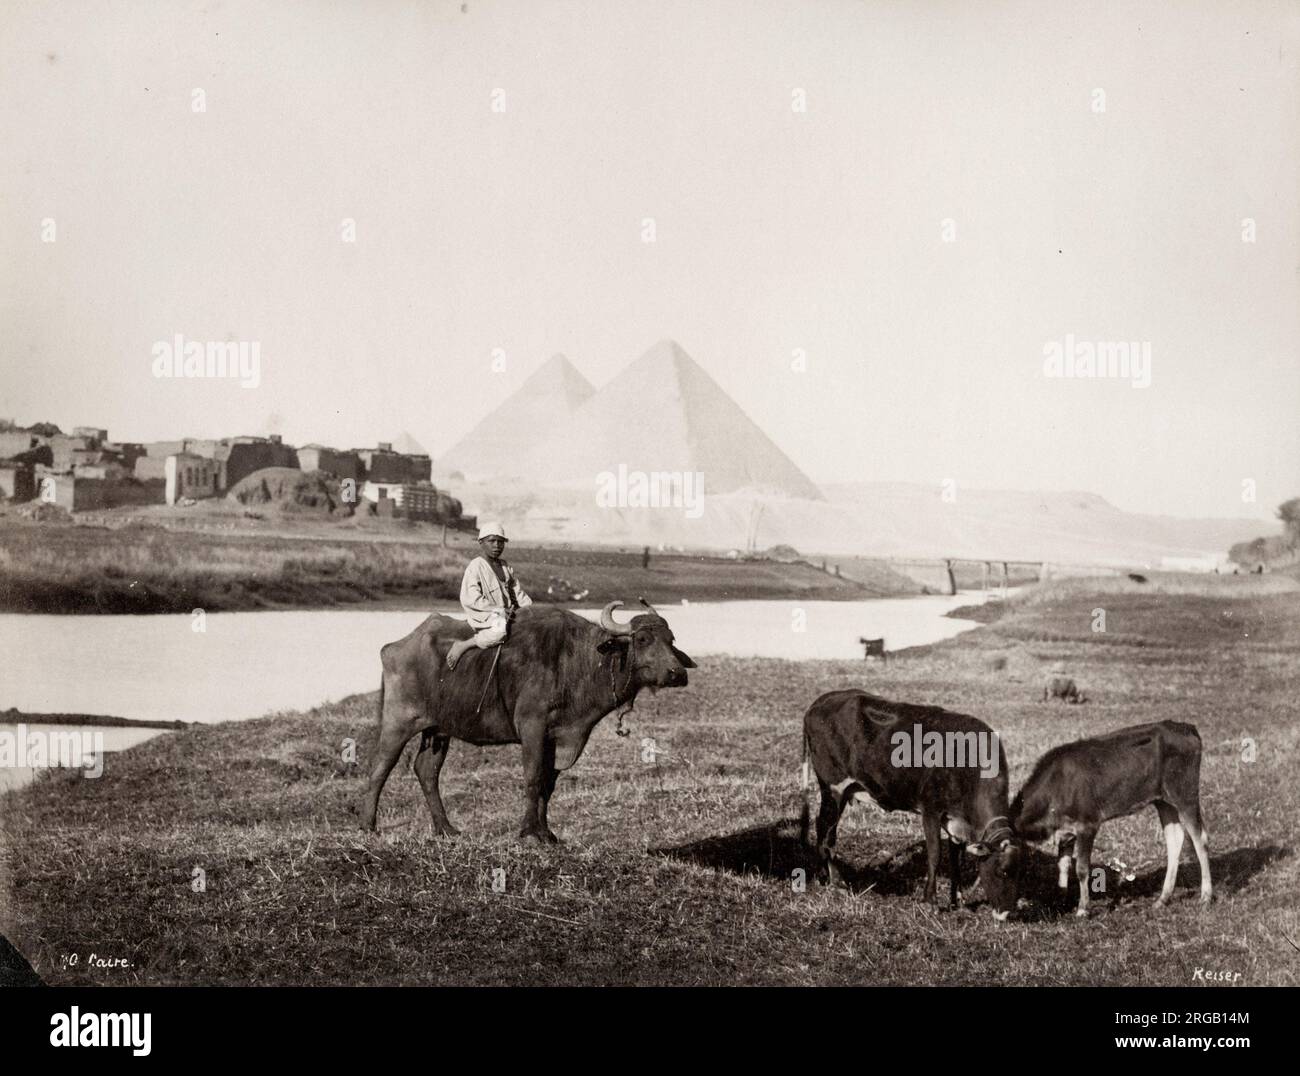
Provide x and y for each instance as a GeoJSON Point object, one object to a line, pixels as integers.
{"type": "Point", "coordinates": [685, 659]}
{"type": "Point", "coordinates": [614, 642]}
{"type": "Point", "coordinates": [979, 849]}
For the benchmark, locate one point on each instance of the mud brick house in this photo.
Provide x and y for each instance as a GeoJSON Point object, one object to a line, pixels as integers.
{"type": "Point", "coordinates": [337, 462]}
{"type": "Point", "coordinates": [386, 467]}
{"type": "Point", "coordinates": [187, 474]}
{"type": "Point", "coordinates": [17, 480]}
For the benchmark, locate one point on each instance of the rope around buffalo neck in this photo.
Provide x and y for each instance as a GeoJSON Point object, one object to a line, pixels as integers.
{"type": "Point", "coordinates": [619, 730]}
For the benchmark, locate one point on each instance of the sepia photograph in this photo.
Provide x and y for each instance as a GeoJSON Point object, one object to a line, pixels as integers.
{"type": "Point", "coordinates": [650, 493]}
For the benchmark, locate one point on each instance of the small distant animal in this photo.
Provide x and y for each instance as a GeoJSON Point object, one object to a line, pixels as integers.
{"type": "Point", "coordinates": [1064, 688]}
{"type": "Point", "coordinates": [1078, 786]}
{"type": "Point", "coordinates": [873, 648]}
{"type": "Point", "coordinates": [1137, 577]}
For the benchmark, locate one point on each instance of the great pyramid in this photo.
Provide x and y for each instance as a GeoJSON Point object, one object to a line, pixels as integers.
{"type": "Point", "coordinates": [663, 413]}
{"type": "Point", "coordinates": [501, 444]}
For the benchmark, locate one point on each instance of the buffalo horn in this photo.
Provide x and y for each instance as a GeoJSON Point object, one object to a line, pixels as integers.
{"type": "Point", "coordinates": [611, 625]}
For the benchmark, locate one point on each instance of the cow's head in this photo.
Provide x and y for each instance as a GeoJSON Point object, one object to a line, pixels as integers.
{"type": "Point", "coordinates": [1001, 858]}
{"type": "Point", "coordinates": [648, 642]}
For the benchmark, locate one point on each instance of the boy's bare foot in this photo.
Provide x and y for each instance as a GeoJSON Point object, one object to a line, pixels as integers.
{"type": "Point", "coordinates": [456, 650]}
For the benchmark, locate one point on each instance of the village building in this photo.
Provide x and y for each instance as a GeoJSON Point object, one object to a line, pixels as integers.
{"type": "Point", "coordinates": [63, 488]}
{"type": "Point", "coordinates": [64, 446]}
{"type": "Point", "coordinates": [386, 467]}
{"type": "Point", "coordinates": [150, 468]}
{"type": "Point", "coordinates": [17, 480]}
{"type": "Point", "coordinates": [14, 442]}
{"type": "Point", "coordinates": [407, 500]}
{"type": "Point", "coordinates": [241, 456]}
{"type": "Point", "coordinates": [188, 474]}
{"type": "Point", "coordinates": [320, 458]}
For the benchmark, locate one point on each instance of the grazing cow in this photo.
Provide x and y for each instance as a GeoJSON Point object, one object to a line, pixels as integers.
{"type": "Point", "coordinates": [1076, 787]}
{"type": "Point", "coordinates": [1064, 688]}
{"type": "Point", "coordinates": [948, 768]}
{"type": "Point", "coordinates": [546, 688]}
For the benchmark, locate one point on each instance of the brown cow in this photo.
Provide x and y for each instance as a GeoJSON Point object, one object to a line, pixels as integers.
{"type": "Point", "coordinates": [1076, 787]}
{"type": "Point", "coordinates": [861, 744]}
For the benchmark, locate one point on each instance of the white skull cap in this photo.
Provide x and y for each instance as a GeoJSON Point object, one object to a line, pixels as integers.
{"type": "Point", "coordinates": [489, 530]}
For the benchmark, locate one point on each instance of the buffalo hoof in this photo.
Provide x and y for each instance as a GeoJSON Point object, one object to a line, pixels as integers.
{"type": "Point", "coordinates": [1207, 899]}
{"type": "Point", "coordinates": [1081, 913]}
{"type": "Point", "coordinates": [532, 836]}
{"type": "Point", "coordinates": [550, 838]}
{"type": "Point", "coordinates": [445, 830]}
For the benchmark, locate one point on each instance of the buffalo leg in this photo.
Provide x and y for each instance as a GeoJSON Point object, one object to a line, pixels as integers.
{"type": "Point", "coordinates": [828, 822]}
{"type": "Point", "coordinates": [549, 776]}
{"type": "Point", "coordinates": [428, 766]}
{"type": "Point", "coordinates": [930, 824]}
{"type": "Point", "coordinates": [1083, 867]}
{"type": "Point", "coordinates": [533, 740]}
{"type": "Point", "coordinates": [393, 735]}
{"type": "Point", "coordinates": [1173, 847]}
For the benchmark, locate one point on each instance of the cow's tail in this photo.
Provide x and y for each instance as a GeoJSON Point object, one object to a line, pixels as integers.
{"type": "Point", "coordinates": [805, 782]}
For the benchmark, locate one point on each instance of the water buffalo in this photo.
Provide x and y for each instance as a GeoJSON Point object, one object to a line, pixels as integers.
{"type": "Point", "coordinates": [948, 768]}
{"type": "Point", "coordinates": [554, 679]}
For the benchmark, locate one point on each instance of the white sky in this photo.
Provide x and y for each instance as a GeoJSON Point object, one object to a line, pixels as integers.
{"type": "Point", "coordinates": [776, 230]}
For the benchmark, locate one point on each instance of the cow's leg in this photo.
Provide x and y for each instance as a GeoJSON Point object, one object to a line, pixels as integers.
{"type": "Point", "coordinates": [1064, 862]}
{"type": "Point", "coordinates": [1190, 816]}
{"type": "Point", "coordinates": [428, 765]}
{"type": "Point", "coordinates": [1083, 867]}
{"type": "Point", "coordinates": [1173, 848]}
{"type": "Point", "coordinates": [930, 823]}
{"type": "Point", "coordinates": [954, 873]}
{"type": "Point", "coordinates": [828, 822]}
{"type": "Point", "coordinates": [394, 730]}
{"type": "Point", "coordinates": [549, 776]}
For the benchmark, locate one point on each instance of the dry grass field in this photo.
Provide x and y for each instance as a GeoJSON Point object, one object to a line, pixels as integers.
{"type": "Point", "coordinates": [678, 870]}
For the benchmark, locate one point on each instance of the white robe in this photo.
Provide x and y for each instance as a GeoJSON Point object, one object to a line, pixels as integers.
{"type": "Point", "coordinates": [484, 598]}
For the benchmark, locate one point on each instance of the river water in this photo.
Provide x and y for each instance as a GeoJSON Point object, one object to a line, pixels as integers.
{"type": "Point", "coordinates": [244, 665]}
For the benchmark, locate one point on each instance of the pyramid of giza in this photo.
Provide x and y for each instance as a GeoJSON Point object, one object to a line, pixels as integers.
{"type": "Point", "coordinates": [663, 413]}
{"type": "Point", "coordinates": [501, 444]}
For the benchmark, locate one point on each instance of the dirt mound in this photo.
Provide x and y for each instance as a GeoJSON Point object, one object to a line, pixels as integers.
{"type": "Point", "coordinates": [42, 512]}
{"type": "Point", "coordinates": [290, 490]}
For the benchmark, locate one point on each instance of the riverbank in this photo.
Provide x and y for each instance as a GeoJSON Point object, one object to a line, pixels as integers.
{"type": "Point", "coordinates": [677, 863]}
{"type": "Point", "coordinates": [14, 716]}
{"type": "Point", "coordinates": [142, 567]}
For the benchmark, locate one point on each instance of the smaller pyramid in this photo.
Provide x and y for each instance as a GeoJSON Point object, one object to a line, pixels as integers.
{"type": "Point", "coordinates": [407, 444]}
{"type": "Point", "coordinates": [498, 447]}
